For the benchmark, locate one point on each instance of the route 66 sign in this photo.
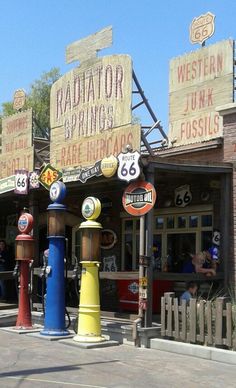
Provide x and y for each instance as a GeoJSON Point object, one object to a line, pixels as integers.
{"type": "Point", "coordinates": [129, 168]}
{"type": "Point", "coordinates": [183, 196]}
{"type": "Point", "coordinates": [202, 28]}
{"type": "Point", "coordinates": [21, 179]}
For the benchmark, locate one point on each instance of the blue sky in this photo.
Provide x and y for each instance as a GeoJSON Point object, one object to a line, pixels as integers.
{"type": "Point", "coordinates": [34, 35]}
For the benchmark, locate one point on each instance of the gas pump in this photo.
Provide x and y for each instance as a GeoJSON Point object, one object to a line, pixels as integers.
{"type": "Point", "coordinates": [89, 325]}
{"type": "Point", "coordinates": [24, 255]}
{"type": "Point", "coordinates": [54, 323]}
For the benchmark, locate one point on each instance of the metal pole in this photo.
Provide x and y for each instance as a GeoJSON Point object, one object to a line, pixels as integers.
{"type": "Point", "coordinates": [149, 253]}
{"type": "Point", "coordinates": [141, 253]}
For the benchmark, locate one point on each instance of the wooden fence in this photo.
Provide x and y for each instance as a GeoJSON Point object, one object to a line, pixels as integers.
{"type": "Point", "coordinates": [202, 322]}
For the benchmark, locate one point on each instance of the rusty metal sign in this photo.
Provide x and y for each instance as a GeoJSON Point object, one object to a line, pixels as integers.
{"type": "Point", "coordinates": [202, 28]}
{"type": "Point", "coordinates": [143, 282]}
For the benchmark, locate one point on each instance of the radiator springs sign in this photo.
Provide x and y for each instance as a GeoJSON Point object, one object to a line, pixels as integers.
{"type": "Point", "coordinates": [91, 112]}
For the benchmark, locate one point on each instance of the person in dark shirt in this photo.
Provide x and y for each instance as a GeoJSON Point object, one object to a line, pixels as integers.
{"type": "Point", "coordinates": [3, 265]}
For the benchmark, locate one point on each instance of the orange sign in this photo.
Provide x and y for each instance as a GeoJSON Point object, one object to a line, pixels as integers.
{"type": "Point", "coordinates": [48, 176]}
{"type": "Point", "coordinates": [202, 28]}
{"type": "Point", "coordinates": [139, 198]}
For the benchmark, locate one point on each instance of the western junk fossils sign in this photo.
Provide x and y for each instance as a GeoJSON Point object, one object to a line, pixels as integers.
{"type": "Point", "coordinates": [17, 150]}
{"type": "Point", "coordinates": [199, 82]}
{"type": "Point", "coordinates": [88, 105]}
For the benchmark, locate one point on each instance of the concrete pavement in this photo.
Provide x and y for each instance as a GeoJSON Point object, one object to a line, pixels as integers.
{"type": "Point", "coordinates": [28, 362]}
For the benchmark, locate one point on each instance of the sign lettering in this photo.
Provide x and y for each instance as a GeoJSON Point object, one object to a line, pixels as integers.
{"type": "Point", "coordinates": [199, 82]}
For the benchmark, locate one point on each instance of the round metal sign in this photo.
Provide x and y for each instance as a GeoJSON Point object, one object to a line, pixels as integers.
{"type": "Point", "coordinates": [139, 198]}
{"type": "Point", "coordinates": [57, 191]}
{"type": "Point", "coordinates": [109, 166]}
{"type": "Point", "coordinates": [25, 223]}
{"type": "Point", "coordinates": [91, 208]}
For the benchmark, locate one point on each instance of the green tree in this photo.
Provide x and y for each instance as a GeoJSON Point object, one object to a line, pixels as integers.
{"type": "Point", "coordinates": [38, 98]}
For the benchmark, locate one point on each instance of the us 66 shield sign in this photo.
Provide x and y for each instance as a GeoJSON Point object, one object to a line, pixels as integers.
{"type": "Point", "coordinates": [129, 168]}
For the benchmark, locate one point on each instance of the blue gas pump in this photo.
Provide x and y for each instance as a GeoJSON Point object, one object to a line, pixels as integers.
{"type": "Point", "coordinates": [54, 324]}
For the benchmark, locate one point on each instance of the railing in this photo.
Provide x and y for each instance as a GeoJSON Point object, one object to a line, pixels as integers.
{"type": "Point", "coordinates": [204, 322]}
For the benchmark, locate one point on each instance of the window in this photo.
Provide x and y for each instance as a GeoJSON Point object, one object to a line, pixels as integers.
{"type": "Point", "coordinates": [175, 236]}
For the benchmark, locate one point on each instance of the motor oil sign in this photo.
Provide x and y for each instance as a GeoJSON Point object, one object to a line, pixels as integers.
{"type": "Point", "coordinates": [139, 198]}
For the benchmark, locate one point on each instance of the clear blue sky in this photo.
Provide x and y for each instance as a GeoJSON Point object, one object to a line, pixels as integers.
{"type": "Point", "coordinates": [34, 34]}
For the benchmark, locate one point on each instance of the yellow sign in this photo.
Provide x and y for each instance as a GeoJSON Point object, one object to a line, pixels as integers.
{"type": "Point", "coordinates": [109, 166]}
{"type": "Point", "coordinates": [48, 176]}
{"type": "Point", "coordinates": [202, 28]}
{"type": "Point", "coordinates": [143, 282]}
{"type": "Point", "coordinates": [199, 82]}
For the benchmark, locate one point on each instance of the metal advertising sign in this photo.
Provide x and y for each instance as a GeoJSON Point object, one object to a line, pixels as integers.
{"type": "Point", "coordinates": [48, 176]}
{"type": "Point", "coordinates": [202, 28]}
{"type": "Point", "coordinates": [21, 177]}
{"type": "Point", "coordinates": [139, 198]}
{"type": "Point", "coordinates": [7, 184]}
{"type": "Point", "coordinates": [34, 180]}
{"type": "Point", "coordinates": [108, 238]}
{"type": "Point", "coordinates": [198, 83]}
{"type": "Point", "coordinates": [183, 196]}
{"type": "Point", "coordinates": [19, 99]}
{"type": "Point", "coordinates": [129, 168]}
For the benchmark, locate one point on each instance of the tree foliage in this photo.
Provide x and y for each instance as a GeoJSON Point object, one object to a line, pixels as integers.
{"type": "Point", "coordinates": [38, 98]}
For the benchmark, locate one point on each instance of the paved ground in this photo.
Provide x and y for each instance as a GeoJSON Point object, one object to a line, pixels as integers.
{"type": "Point", "coordinates": [28, 362]}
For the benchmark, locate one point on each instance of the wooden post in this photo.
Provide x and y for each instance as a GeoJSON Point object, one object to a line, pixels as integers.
{"type": "Point", "coordinates": [201, 320]}
{"type": "Point", "coordinates": [219, 321]}
{"type": "Point", "coordinates": [176, 318]}
{"type": "Point", "coordinates": [229, 333]}
{"type": "Point", "coordinates": [209, 323]}
{"type": "Point", "coordinates": [183, 320]}
{"type": "Point", "coordinates": [192, 320]}
{"type": "Point", "coordinates": [163, 316]}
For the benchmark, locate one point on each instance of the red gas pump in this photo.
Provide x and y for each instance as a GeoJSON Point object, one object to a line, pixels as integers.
{"type": "Point", "coordinates": [25, 254]}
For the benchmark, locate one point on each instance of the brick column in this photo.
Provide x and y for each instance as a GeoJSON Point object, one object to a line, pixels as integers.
{"type": "Point", "coordinates": [228, 112]}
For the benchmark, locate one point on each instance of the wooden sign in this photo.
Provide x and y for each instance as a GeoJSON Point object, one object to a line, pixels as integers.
{"type": "Point", "coordinates": [202, 28]}
{"type": "Point", "coordinates": [86, 151]}
{"type": "Point", "coordinates": [87, 48]}
{"type": "Point", "coordinates": [199, 82]}
{"type": "Point", "coordinates": [139, 198]}
{"type": "Point", "coordinates": [12, 161]}
{"type": "Point", "coordinates": [17, 149]}
{"type": "Point", "coordinates": [87, 107]}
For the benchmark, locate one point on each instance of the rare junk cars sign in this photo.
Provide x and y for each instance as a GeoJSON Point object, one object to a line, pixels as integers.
{"type": "Point", "coordinates": [17, 150]}
{"type": "Point", "coordinates": [91, 112]}
{"type": "Point", "coordinates": [199, 82]}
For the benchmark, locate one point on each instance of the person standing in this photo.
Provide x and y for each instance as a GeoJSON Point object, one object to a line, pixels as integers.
{"type": "Point", "coordinates": [3, 265]}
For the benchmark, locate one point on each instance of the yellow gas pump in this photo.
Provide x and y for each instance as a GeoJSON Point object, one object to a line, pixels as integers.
{"type": "Point", "coordinates": [89, 325]}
